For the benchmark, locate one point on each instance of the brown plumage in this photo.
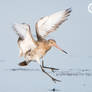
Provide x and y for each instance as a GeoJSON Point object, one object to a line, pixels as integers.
{"type": "Point", "coordinates": [33, 50]}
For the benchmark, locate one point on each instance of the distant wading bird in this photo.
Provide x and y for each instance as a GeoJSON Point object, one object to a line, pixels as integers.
{"type": "Point", "coordinates": [33, 50]}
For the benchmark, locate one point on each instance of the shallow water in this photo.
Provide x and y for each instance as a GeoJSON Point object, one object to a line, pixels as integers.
{"type": "Point", "coordinates": [76, 78]}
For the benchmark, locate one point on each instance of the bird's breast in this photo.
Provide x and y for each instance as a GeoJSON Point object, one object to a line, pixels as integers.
{"type": "Point", "coordinates": [38, 52]}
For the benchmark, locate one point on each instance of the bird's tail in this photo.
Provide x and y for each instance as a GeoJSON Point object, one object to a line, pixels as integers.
{"type": "Point", "coordinates": [24, 63]}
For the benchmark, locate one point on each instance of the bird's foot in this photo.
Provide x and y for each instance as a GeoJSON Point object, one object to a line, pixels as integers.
{"type": "Point", "coordinates": [53, 69]}
{"type": "Point", "coordinates": [55, 80]}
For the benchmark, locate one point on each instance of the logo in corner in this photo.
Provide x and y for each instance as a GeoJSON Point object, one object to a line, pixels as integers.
{"type": "Point", "coordinates": [90, 8]}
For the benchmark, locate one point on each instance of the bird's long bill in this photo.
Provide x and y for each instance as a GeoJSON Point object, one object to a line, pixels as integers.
{"type": "Point", "coordinates": [60, 49]}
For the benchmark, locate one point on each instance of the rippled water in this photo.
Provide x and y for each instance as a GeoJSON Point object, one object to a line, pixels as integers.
{"type": "Point", "coordinates": [14, 78]}
{"type": "Point", "coordinates": [68, 72]}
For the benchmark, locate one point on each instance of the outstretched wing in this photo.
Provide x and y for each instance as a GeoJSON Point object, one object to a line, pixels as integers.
{"type": "Point", "coordinates": [50, 23]}
{"type": "Point", "coordinates": [24, 33]}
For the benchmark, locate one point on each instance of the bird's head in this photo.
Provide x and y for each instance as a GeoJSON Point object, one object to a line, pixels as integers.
{"type": "Point", "coordinates": [53, 43]}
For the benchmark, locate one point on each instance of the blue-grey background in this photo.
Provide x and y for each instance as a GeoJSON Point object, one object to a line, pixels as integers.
{"type": "Point", "coordinates": [75, 36]}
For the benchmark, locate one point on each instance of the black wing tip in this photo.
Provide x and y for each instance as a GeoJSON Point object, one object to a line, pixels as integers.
{"type": "Point", "coordinates": [69, 10]}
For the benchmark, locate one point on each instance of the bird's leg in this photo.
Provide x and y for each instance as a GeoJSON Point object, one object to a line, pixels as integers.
{"type": "Point", "coordinates": [52, 69]}
{"type": "Point", "coordinates": [42, 68]}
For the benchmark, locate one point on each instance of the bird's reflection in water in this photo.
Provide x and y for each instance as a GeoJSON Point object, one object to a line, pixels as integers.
{"type": "Point", "coordinates": [53, 90]}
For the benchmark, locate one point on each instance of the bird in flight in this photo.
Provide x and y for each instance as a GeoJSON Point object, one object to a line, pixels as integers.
{"type": "Point", "coordinates": [35, 50]}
